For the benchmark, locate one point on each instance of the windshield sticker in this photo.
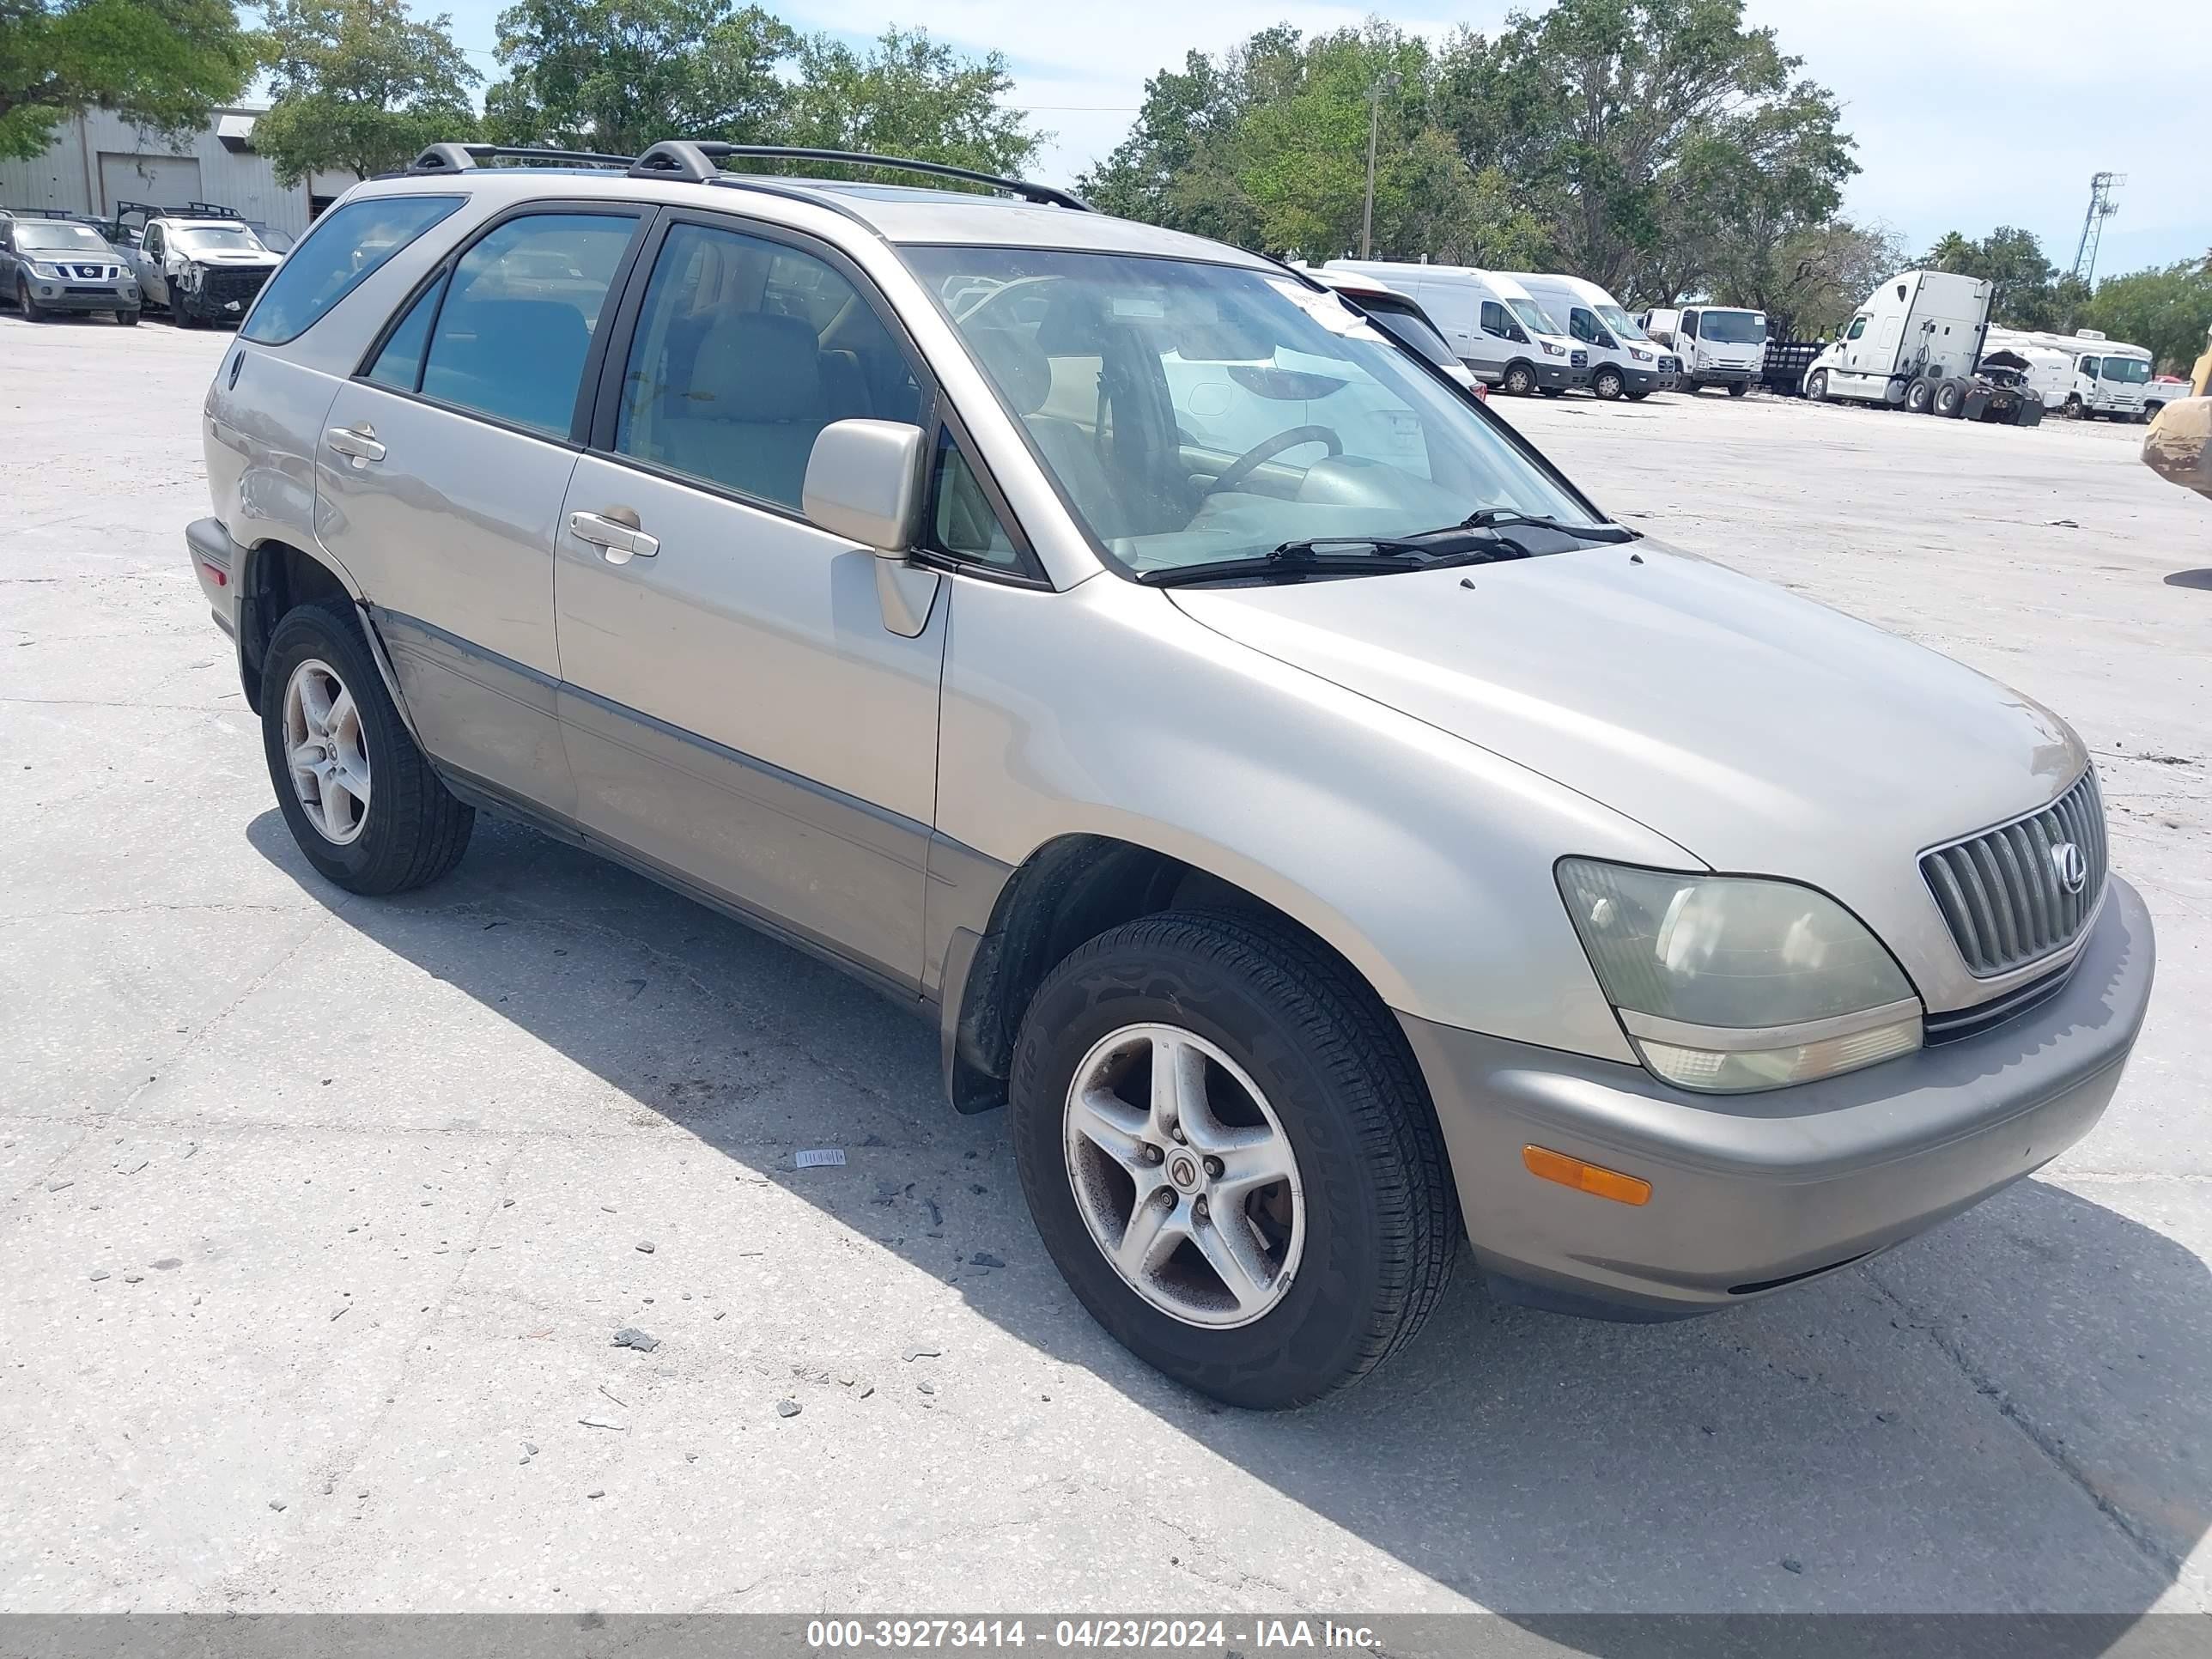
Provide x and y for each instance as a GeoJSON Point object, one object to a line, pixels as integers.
{"type": "Point", "coordinates": [1327, 309]}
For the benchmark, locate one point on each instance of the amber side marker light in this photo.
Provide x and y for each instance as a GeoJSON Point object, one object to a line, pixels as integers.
{"type": "Point", "coordinates": [1548, 1165]}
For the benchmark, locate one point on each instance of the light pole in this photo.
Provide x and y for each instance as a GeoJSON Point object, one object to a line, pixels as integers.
{"type": "Point", "coordinates": [1387, 81]}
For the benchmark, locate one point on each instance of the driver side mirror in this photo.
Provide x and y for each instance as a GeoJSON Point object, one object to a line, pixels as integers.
{"type": "Point", "coordinates": [864, 482]}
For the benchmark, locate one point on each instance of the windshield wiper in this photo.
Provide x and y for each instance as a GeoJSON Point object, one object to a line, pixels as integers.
{"type": "Point", "coordinates": [1295, 561]}
{"type": "Point", "coordinates": [1491, 518]}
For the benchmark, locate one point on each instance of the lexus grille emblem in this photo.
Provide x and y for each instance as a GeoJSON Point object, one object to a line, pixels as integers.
{"type": "Point", "coordinates": [2072, 869]}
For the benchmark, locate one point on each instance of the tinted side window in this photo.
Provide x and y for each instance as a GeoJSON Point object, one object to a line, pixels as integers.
{"type": "Point", "coordinates": [341, 249]}
{"type": "Point", "coordinates": [962, 519]}
{"type": "Point", "coordinates": [745, 350]}
{"type": "Point", "coordinates": [1858, 327]}
{"type": "Point", "coordinates": [518, 315]}
{"type": "Point", "coordinates": [1494, 320]}
{"type": "Point", "coordinates": [1582, 326]}
{"type": "Point", "coordinates": [1690, 324]}
{"type": "Point", "coordinates": [399, 365]}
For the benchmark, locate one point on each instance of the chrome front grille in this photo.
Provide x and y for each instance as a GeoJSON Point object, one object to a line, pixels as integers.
{"type": "Point", "coordinates": [2005, 893]}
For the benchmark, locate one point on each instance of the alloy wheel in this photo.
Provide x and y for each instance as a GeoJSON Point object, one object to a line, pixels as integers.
{"type": "Point", "coordinates": [326, 751]}
{"type": "Point", "coordinates": [1184, 1175]}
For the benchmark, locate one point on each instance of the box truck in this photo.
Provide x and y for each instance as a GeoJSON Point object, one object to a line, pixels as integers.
{"type": "Point", "coordinates": [2105, 377]}
{"type": "Point", "coordinates": [1719, 345]}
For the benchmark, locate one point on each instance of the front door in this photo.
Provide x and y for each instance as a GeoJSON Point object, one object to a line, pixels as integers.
{"type": "Point", "coordinates": [736, 711]}
{"type": "Point", "coordinates": [438, 479]}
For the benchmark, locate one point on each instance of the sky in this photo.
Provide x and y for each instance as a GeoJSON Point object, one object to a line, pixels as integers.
{"type": "Point", "coordinates": [1968, 113]}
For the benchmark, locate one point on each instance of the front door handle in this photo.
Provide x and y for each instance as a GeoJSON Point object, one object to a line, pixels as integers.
{"type": "Point", "coordinates": [357, 442]}
{"type": "Point", "coordinates": [618, 542]}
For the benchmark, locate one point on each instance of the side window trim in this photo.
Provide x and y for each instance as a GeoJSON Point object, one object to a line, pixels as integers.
{"type": "Point", "coordinates": [948, 425]}
{"type": "Point", "coordinates": [644, 217]}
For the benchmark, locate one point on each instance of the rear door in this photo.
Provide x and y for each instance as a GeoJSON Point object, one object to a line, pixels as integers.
{"type": "Point", "coordinates": [439, 474]}
{"type": "Point", "coordinates": [737, 712]}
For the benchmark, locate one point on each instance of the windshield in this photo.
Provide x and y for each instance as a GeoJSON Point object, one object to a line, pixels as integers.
{"type": "Point", "coordinates": [1399, 319]}
{"type": "Point", "coordinates": [1193, 412]}
{"type": "Point", "coordinates": [1533, 317]}
{"type": "Point", "coordinates": [1733, 327]}
{"type": "Point", "coordinates": [2128, 371]}
{"type": "Point", "coordinates": [59, 238]}
{"type": "Point", "coordinates": [1623, 325]}
{"type": "Point", "coordinates": [277, 241]}
{"type": "Point", "coordinates": [221, 239]}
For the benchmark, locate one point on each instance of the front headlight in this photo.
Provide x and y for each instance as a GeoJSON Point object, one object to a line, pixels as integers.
{"type": "Point", "coordinates": [45, 273]}
{"type": "Point", "coordinates": [1640, 356]}
{"type": "Point", "coordinates": [1728, 983]}
{"type": "Point", "coordinates": [1551, 350]}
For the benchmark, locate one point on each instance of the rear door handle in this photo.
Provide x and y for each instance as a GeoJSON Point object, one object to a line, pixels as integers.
{"type": "Point", "coordinates": [357, 442]}
{"type": "Point", "coordinates": [618, 543]}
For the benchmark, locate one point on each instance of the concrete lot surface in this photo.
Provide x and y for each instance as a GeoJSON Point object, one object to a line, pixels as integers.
{"type": "Point", "coordinates": [320, 1213]}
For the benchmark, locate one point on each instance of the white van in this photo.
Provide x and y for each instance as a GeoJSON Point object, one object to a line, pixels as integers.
{"type": "Point", "coordinates": [1625, 360]}
{"type": "Point", "coordinates": [2108, 377]}
{"type": "Point", "coordinates": [1719, 345]}
{"type": "Point", "coordinates": [1498, 330]}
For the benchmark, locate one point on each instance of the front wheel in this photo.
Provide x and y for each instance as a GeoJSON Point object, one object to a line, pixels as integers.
{"type": "Point", "coordinates": [359, 797]}
{"type": "Point", "coordinates": [1520, 380]}
{"type": "Point", "coordinates": [128, 318]}
{"type": "Point", "coordinates": [1739, 388]}
{"type": "Point", "coordinates": [1608, 384]}
{"type": "Point", "coordinates": [1230, 1156]}
{"type": "Point", "coordinates": [32, 310]}
{"type": "Point", "coordinates": [1816, 386]}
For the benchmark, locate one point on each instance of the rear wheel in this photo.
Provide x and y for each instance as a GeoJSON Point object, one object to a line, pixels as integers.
{"type": "Point", "coordinates": [1951, 399]}
{"type": "Point", "coordinates": [1918, 396]}
{"type": "Point", "coordinates": [1520, 380]}
{"type": "Point", "coordinates": [359, 797]}
{"type": "Point", "coordinates": [1230, 1156]}
{"type": "Point", "coordinates": [1608, 384]}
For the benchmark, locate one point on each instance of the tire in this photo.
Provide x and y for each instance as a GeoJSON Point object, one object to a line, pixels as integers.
{"type": "Point", "coordinates": [1918, 396]}
{"type": "Point", "coordinates": [1555, 392]}
{"type": "Point", "coordinates": [411, 830]}
{"type": "Point", "coordinates": [1520, 380]}
{"type": "Point", "coordinates": [1739, 388]}
{"type": "Point", "coordinates": [1368, 1247]}
{"type": "Point", "coordinates": [1950, 400]}
{"type": "Point", "coordinates": [180, 314]}
{"type": "Point", "coordinates": [2074, 410]}
{"type": "Point", "coordinates": [32, 311]}
{"type": "Point", "coordinates": [1816, 386]}
{"type": "Point", "coordinates": [1638, 396]}
{"type": "Point", "coordinates": [128, 318]}
{"type": "Point", "coordinates": [1608, 384]}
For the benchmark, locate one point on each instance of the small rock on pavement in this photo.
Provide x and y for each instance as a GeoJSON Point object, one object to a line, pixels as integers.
{"type": "Point", "coordinates": [598, 1423]}
{"type": "Point", "coordinates": [277, 1504]}
{"type": "Point", "coordinates": [913, 1354]}
{"type": "Point", "coordinates": [528, 1449]}
{"type": "Point", "coordinates": [786, 1408]}
{"type": "Point", "coordinates": [134, 1279]}
{"type": "Point", "coordinates": [984, 1259]}
{"type": "Point", "coordinates": [646, 1245]}
{"type": "Point", "coordinates": [166, 1263]}
{"type": "Point", "coordinates": [1791, 1564]}
{"type": "Point", "coordinates": [630, 1337]}
{"type": "Point", "coordinates": [99, 1274]}
{"type": "Point", "coordinates": [926, 1388]}
{"type": "Point", "coordinates": [57, 1184]}
{"type": "Point", "coordinates": [601, 1493]}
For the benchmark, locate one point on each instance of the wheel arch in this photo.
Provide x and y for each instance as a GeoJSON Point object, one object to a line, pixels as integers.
{"type": "Point", "coordinates": [1069, 891]}
{"type": "Point", "coordinates": [277, 575]}
{"type": "Point", "coordinates": [1512, 363]}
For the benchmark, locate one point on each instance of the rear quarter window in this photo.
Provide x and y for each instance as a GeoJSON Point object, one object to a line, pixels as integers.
{"type": "Point", "coordinates": [342, 249]}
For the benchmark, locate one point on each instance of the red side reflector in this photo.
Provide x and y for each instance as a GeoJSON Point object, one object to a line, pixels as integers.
{"type": "Point", "coordinates": [222, 576]}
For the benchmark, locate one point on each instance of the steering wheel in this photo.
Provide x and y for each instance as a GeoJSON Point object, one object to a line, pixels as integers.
{"type": "Point", "coordinates": [1261, 453]}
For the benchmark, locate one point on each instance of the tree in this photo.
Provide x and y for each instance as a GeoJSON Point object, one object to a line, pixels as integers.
{"type": "Point", "coordinates": [2026, 290]}
{"type": "Point", "coordinates": [1817, 277]}
{"type": "Point", "coordinates": [163, 64]}
{"type": "Point", "coordinates": [909, 95]}
{"type": "Point", "coordinates": [2166, 309]}
{"type": "Point", "coordinates": [361, 85]}
{"type": "Point", "coordinates": [1646, 131]}
{"type": "Point", "coordinates": [620, 75]}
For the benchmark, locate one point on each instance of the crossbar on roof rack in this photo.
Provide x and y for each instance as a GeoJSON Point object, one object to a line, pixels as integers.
{"type": "Point", "coordinates": [696, 162]}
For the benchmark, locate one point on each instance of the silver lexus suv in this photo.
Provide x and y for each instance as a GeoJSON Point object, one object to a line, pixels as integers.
{"type": "Point", "coordinates": [1328, 832]}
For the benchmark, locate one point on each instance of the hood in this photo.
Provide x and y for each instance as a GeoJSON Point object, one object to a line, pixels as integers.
{"type": "Point", "coordinates": [1759, 731]}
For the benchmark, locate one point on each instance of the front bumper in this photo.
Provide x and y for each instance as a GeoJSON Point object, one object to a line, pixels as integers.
{"type": "Point", "coordinates": [1644, 379]}
{"type": "Point", "coordinates": [1557, 376]}
{"type": "Point", "coordinates": [73, 294]}
{"type": "Point", "coordinates": [1721, 374]}
{"type": "Point", "coordinates": [1752, 1192]}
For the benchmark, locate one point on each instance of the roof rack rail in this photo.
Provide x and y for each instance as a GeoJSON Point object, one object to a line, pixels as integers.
{"type": "Point", "coordinates": [460, 158]}
{"type": "Point", "coordinates": [1045, 194]}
